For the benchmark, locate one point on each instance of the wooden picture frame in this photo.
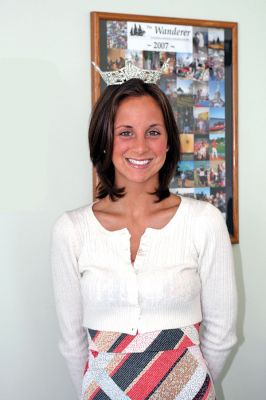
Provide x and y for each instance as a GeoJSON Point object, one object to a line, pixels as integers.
{"type": "Point", "coordinates": [202, 84]}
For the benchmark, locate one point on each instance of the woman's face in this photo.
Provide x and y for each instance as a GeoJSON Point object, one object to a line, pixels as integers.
{"type": "Point", "coordinates": [140, 141]}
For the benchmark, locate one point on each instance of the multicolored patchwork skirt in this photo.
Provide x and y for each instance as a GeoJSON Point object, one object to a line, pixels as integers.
{"type": "Point", "coordinates": [161, 365]}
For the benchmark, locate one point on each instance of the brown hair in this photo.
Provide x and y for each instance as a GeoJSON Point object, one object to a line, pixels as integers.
{"type": "Point", "coordinates": [101, 131]}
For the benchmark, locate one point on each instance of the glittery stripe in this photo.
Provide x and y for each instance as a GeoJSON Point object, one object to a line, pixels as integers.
{"type": "Point", "coordinates": [121, 358]}
{"type": "Point", "coordinates": [104, 341]}
{"type": "Point", "coordinates": [193, 385]}
{"type": "Point", "coordinates": [155, 374]}
{"type": "Point", "coordinates": [177, 377]}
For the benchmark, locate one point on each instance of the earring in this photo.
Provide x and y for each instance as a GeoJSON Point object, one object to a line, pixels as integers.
{"type": "Point", "coordinates": [167, 148]}
{"type": "Point", "coordinates": [104, 152]}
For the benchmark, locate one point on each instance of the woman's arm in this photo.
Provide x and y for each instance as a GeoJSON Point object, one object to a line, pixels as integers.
{"type": "Point", "coordinates": [66, 279]}
{"type": "Point", "coordinates": [218, 293]}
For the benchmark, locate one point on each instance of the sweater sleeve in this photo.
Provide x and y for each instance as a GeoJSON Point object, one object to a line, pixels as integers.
{"type": "Point", "coordinates": [66, 281]}
{"type": "Point", "coordinates": [218, 293]}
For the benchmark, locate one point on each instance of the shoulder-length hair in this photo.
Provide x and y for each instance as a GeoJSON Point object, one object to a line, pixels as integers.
{"type": "Point", "coordinates": [101, 136]}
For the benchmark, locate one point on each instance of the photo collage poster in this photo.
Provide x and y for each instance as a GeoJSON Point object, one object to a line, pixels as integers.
{"type": "Point", "coordinates": [194, 83]}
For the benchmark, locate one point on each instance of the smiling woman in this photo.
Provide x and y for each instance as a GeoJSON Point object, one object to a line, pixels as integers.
{"type": "Point", "coordinates": [110, 121]}
{"type": "Point", "coordinates": [139, 270]}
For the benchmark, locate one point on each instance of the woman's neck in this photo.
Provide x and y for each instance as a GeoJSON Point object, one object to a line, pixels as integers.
{"type": "Point", "coordinates": [138, 203]}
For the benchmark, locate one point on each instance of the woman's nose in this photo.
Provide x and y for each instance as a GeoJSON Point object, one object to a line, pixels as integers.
{"type": "Point", "coordinates": [140, 144]}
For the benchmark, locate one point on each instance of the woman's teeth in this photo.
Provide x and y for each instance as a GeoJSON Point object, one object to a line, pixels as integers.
{"type": "Point", "coordinates": [138, 162]}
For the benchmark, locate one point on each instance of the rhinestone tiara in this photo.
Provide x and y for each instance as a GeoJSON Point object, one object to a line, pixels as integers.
{"type": "Point", "coordinates": [130, 71]}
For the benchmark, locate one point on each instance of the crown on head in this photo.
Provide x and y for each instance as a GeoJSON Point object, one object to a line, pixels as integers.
{"type": "Point", "coordinates": [130, 71]}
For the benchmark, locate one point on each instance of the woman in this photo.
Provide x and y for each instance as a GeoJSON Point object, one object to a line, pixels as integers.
{"type": "Point", "coordinates": [137, 272]}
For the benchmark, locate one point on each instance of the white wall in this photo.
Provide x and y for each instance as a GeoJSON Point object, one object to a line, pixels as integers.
{"type": "Point", "coordinates": [45, 103]}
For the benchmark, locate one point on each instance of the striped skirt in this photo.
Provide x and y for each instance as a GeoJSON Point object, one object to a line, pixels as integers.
{"type": "Point", "coordinates": [161, 365]}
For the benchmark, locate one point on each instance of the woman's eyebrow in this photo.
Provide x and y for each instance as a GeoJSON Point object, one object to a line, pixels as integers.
{"type": "Point", "coordinates": [156, 124]}
{"type": "Point", "coordinates": [130, 126]}
{"type": "Point", "coordinates": [123, 126]}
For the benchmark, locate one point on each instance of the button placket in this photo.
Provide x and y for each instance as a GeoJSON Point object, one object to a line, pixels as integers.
{"type": "Point", "coordinates": [142, 250]}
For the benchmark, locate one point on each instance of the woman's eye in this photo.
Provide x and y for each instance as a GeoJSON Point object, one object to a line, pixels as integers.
{"type": "Point", "coordinates": [153, 133]}
{"type": "Point", "coordinates": [125, 133]}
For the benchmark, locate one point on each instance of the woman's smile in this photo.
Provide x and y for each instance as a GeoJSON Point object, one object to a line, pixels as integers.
{"type": "Point", "coordinates": [140, 142]}
{"type": "Point", "coordinates": [139, 163]}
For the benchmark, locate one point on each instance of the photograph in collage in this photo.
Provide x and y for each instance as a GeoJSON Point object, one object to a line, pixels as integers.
{"type": "Point", "coordinates": [201, 94]}
{"type": "Point", "coordinates": [116, 34]}
{"type": "Point", "coordinates": [171, 57]}
{"type": "Point", "coordinates": [218, 199]}
{"type": "Point", "coordinates": [186, 174]}
{"type": "Point", "coordinates": [217, 174]}
{"type": "Point", "coordinates": [115, 59]}
{"type": "Point", "coordinates": [216, 39]}
{"type": "Point", "coordinates": [217, 146]}
{"type": "Point", "coordinates": [200, 41]}
{"type": "Point", "coordinates": [187, 147]}
{"type": "Point", "coordinates": [201, 173]}
{"type": "Point", "coordinates": [216, 94]}
{"type": "Point", "coordinates": [201, 148]}
{"type": "Point", "coordinates": [151, 60]}
{"type": "Point", "coordinates": [216, 64]}
{"type": "Point", "coordinates": [188, 192]}
{"type": "Point", "coordinates": [168, 86]}
{"type": "Point", "coordinates": [183, 65]}
{"type": "Point", "coordinates": [216, 120]}
{"type": "Point", "coordinates": [199, 64]}
{"type": "Point", "coordinates": [201, 120]}
{"type": "Point", "coordinates": [202, 193]}
{"type": "Point", "coordinates": [184, 91]}
{"type": "Point", "coordinates": [135, 56]}
{"type": "Point", "coordinates": [185, 119]}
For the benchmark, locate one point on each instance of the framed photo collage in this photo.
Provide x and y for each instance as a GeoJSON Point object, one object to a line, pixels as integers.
{"type": "Point", "coordinates": [201, 85]}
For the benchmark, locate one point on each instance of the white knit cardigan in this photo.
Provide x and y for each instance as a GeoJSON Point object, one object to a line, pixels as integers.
{"type": "Point", "coordinates": [183, 274]}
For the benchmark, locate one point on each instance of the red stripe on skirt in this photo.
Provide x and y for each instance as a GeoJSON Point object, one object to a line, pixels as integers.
{"type": "Point", "coordinates": [186, 342]}
{"type": "Point", "coordinates": [155, 373]}
{"type": "Point", "coordinates": [125, 342]}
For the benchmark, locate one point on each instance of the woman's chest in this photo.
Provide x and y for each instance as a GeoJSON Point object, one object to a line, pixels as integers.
{"type": "Point", "coordinates": [165, 268]}
{"type": "Point", "coordinates": [151, 250]}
